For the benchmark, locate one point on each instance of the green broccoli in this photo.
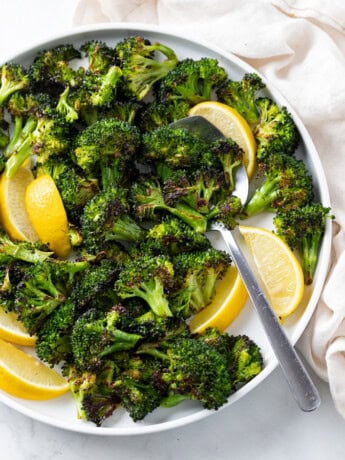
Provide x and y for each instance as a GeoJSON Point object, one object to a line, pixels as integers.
{"type": "Point", "coordinates": [13, 78]}
{"type": "Point", "coordinates": [286, 185]}
{"type": "Point", "coordinates": [196, 274]}
{"type": "Point", "coordinates": [241, 96]}
{"type": "Point", "coordinates": [302, 229]}
{"type": "Point", "coordinates": [100, 55]}
{"type": "Point", "coordinates": [44, 287]}
{"type": "Point", "coordinates": [192, 81]}
{"type": "Point", "coordinates": [230, 155]}
{"type": "Point", "coordinates": [95, 335]}
{"type": "Point", "coordinates": [140, 68]}
{"type": "Point", "coordinates": [149, 278]}
{"type": "Point", "coordinates": [158, 114]}
{"type": "Point", "coordinates": [276, 131]}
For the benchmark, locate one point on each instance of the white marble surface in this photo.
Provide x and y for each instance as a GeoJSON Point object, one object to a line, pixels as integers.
{"type": "Point", "coordinates": [265, 425]}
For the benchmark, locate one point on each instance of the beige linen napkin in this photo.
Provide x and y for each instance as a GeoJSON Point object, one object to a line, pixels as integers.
{"type": "Point", "coordinates": [299, 46]}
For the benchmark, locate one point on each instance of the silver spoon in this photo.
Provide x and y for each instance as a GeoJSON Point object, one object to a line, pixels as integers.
{"type": "Point", "coordinates": [300, 383]}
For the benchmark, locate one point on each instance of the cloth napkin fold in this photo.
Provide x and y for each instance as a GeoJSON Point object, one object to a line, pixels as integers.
{"type": "Point", "coordinates": [299, 46]}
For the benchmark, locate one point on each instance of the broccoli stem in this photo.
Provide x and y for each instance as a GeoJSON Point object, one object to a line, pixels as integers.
{"type": "Point", "coordinates": [122, 341]}
{"type": "Point", "coordinates": [193, 218]}
{"type": "Point", "coordinates": [262, 198]}
{"type": "Point", "coordinates": [125, 229]}
{"type": "Point", "coordinates": [153, 293]}
{"type": "Point", "coordinates": [309, 251]}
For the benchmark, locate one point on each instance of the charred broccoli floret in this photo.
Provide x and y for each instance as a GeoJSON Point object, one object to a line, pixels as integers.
{"type": "Point", "coordinates": [13, 78]}
{"type": "Point", "coordinates": [302, 229]}
{"type": "Point", "coordinates": [192, 81]}
{"type": "Point", "coordinates": [44, 287]}
{"type": "Point", "coordinates": [96, 335]}
{"type": "Point", "coordinates": [241, 96]}
{"type": "Point", "coordinates": [141, 69]}
{"type": "Point", "coordinates": [92, 392]}
{"type": "Point", "coordinates": [108, 137]}
{"type": "Point", "coordinates": [176, 147]}
{"type": "Point", "coordinates": [158, 114]}
{"type": "Point", "coordinates": [286, 185]}
{"type": "Point", "coordinates": [148, 200]}
{"type": "Point", "coordinates": [149, 278]}
{"type": "Point", "coordinates": [100, 55]}
{"type": "Point", "coordinates": [276, 132]}
{"type": "Point", "coordinates": [196, 276]}
{"type": "Point", "coordinates": [230, 155]}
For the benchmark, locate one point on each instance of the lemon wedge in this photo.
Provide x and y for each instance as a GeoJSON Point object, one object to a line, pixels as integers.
{"type": "Point", "coordinates": [13, 330]}
{"type": "Point", "coordinates": [13, 215]}
{"type": "Point", "coordinates": [24, 376]}
{"type": "Point", "coordinates": [47, 214]}
{"type": "Point", "coordinates": [279, 269]}
{"type": "Point", "coordinates": [231, 124]}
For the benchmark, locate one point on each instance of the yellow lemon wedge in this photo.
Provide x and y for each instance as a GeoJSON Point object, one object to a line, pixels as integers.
{"type": "Point", "coordinates": [24, 376]}
{"type": "Point", "coordinates": [13, 330]}
{"type": "Point", "coordinates": [279, 269]}
{"type": "Point", "coordinates": [13, 215]}
{"type": "Point", "coordinates": [231, 296]}
{"type": "Point", "coordinates": [47, 214]}
{"type": "Point", "coordinates": [231, 124]}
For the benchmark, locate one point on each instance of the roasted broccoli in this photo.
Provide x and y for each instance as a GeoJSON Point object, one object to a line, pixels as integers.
{"type": "Point", "coordinates": [158, 114]}
{"type": "Point", "coordinates": [276, 131]}
{"type": "Point", "coordinates": [192, 81]}
{"type": "Point", "coordinates": [108, 137]}
{"type": "Point", "coordinates": [100, 55]}
{"type": "Point", "coordinates": [140, 68]}
{"type": "Point", "coordinates": [172, 236]}
{"type": "Point", "coordinates": [241, 96]}
{"type": "Point", "coordinates": [286, 185]}
{"type": "Point", "coordinates": [196, 276]}
{"type": "Point", "coordinates": [96, 335]}
{"type": "Point", "coordinates": [44, 287]}
{"type": "Point", "coordinates": [230, 155]}
{"type": "Point", "coordinates": [302, 228]}
{"type": "Point", "coordinates": [13, 78]}
{"type": "Point", "coordinates": [92, 392]}
{"type": "Point", "coordinates": [148, 200]}
{"type": "Point", "coordinates": [149, 278]}
{"type": "Point", "coordinates": [176, 147]}
{"type": "Point", "coordinates": [21, 250]}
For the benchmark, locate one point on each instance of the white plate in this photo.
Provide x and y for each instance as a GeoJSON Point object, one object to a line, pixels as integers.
{"type": "Point", "coordinates": [61, 412]}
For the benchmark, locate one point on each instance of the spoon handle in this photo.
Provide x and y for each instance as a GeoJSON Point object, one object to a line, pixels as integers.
{"type": "Point", "coordinates": [300, 383]}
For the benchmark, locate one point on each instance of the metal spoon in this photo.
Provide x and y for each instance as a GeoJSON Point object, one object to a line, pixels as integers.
{"type": "Point", "coordinates": [300, 383]}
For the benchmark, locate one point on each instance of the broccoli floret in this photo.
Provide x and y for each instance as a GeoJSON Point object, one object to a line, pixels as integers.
{"type": "Point", "coordinates": [13, 78]}
{"type": "Point", "coordinates": [44, 287]}
{"type": "Point", "coordinates": [4, 136]}
{"type": "Point", "coordinates": [196, 275]}
{"type": "Point", "coordinates": [95, 335]}
{"type": "Point", "coordinates": [53, 343]}
{"type": "Point", "coordinates": [99, 90]}
{"type": "Point", "coordinates": [197, 371]}
{"type": "Point", "coordinates": [286, 185]}
{"type": "Point", "coordinates": [21, 250]}
{"type": "Point", "coordinates": [126, 111]}
{"type": "Point", "coordinates": [95, 289]}
{"type": "Point", "coordinates": [108, 137]}
{"type": "Point", "coordinates": [176, 147]}
{"type": "Point", "coordinates": [135, 386]}
{"type": "Point", "coordinates": [192, 81]}
{"type": "Point", "coordinates": [245, 360]}
{"type": "Point", "coordinates": [302, 229]}
{"type": "Point", "coordinates": [172, 236]}
{"type": "Point", "coordinates": [226, 211]}
{"type": "Point", "coordinates": [159, 114]}
{"type": "Point", "coordinates": [11, 274]}
{"type": "Point", "coordinates": [148, 200]}
{"type": "Point", "coordinates": [196, 189]}
{"type": "Point", "coordinates": [51, 70]}
{"type": "Point", "coordinates": [230, 155]}
{"type": "Point", "coordinates": [276, 132]}
{"type": "Point", "coordinates": [99, 54]}
{"type": "Point", "coordinates": [150, 279]}
{"type": "Point", "coordinates": [140, 68]}
{"type": "Point", "coordinates": [92, 392]}
{"type": "Point", "coordinates": [241, 96]}
{"type": "Point", "coordinates": [42, 134]}
{"type": "Point", "coordinates": [106, 218]}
